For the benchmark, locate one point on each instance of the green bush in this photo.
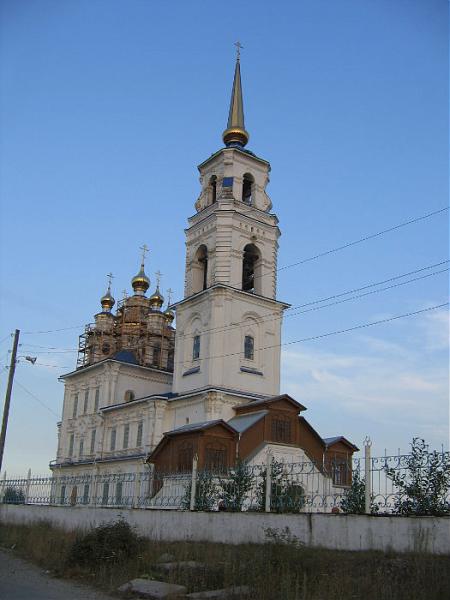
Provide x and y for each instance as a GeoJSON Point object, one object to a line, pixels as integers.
{"type": "Point", "coordinates": [13, 496]}
{"type": "Point", "coordinates": [114, 542]}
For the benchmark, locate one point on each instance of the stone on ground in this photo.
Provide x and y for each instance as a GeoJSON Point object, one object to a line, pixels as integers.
{"type": "Point", "coordinates": [239, 591]}
{"type": "Point", "coordinates": [182, 565]}
{"type": "Point", "coordinates": [166, 557]}
{"type": "Point", "coordinates": [153, 590]}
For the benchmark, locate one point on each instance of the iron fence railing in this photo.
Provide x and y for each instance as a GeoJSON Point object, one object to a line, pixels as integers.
{"type": "Point", "coordinates": [274, 486]}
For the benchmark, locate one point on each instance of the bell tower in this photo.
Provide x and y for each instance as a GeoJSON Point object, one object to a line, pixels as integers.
{"type": "Point", "coordinates": [229, 322]}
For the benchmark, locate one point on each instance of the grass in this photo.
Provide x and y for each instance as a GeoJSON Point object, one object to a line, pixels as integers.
{"type": "Point", "coordinates": [282, 570]}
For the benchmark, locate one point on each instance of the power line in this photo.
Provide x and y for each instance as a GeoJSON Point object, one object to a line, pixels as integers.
{"type": "Point", "coordinates": [37, 399]}
{"type": "Point", "coordinates": [53, 330]}
{"type": "Point", "coordinates": [5, 338]}
{"type": "Point", "coordinates": [330, 333]}
{"type": "Point", "coordinates": [365, 238]}
{"type": "Point", "coordinates": [272, 315]}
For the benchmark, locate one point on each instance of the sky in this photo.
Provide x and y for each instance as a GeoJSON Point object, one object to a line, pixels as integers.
{"type": "Point", "coordinates": [106, 109]}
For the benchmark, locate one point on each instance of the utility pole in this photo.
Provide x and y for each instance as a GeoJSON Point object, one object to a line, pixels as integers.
{"type": "Point", "coordinates": [12, 368]}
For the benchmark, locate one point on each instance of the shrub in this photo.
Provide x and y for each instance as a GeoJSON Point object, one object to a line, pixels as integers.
{"type": "Point", "coordinates": [206, 492]}
{"type": "Point", "coordinates": [13, 496]}
{"type": "Point", "coordinates": [423, 487]}
{"type": "Point", "coordinates": [236, 487]}
{"type": "Point", "coordinates": [113, 542]}
{"type": "Point", "coordinates": [285, 496]}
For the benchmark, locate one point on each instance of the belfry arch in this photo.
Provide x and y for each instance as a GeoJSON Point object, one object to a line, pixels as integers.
{"type": "Point", "coordinates": [248, 183]}
{"type": "Point", "coordinates": [200, 270]}
{"type": "Point", "coordinates": [251, 269]}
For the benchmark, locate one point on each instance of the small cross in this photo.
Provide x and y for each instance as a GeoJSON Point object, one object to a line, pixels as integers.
{"type": "Point", "coordinates": [110, 277]}
{"type": "Point", "coordinates": [169, 296]}
{"type": "Point", "coordinates": [158, 278]}
{"type": "Point", "coordinates": [144, 249]}
{"type": "Point", "coordinates": [125, 296]}
{"type": "Point", "coordinates": [238, 50]}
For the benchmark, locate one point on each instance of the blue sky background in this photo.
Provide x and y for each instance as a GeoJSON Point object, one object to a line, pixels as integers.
{"type": "Point", "coordinates": [106, 109]}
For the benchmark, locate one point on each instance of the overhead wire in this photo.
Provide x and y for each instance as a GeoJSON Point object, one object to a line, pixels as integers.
{"type": "Point", "coordinates": [36, 398]}
{"type": "Point", "coordinates": [330, 333]}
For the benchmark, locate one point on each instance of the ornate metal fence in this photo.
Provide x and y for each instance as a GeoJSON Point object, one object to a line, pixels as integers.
{"type": "Point", "coordinates": [358, 485]}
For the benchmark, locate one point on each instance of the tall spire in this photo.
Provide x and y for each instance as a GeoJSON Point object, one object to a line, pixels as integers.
{"type": "Point", "coordinates": [235, 133]}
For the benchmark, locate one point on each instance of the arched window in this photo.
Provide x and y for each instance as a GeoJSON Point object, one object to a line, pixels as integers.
{"type": "Point", "coordinates": [129, 396]}
{"type": "Point", "coordinates": [251, 279]}
{"type": "Point", "coordinates": [196, 347]}
{"type": "Point", "coordinates": [247, 188]}
{"type": "Point", "coordinates": [249, 347]}
{"type": "Point", "coordinates": [213, 185]}
{"type": "Point", "coordinates": [200, 270]}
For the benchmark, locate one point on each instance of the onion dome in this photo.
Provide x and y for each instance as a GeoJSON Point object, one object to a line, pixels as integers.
{"type": "Point", "coordinates": [170, 315]}
{"type": "Point", "coordinates": [107, 301]}
{"type": "Point", "coordinates": [156, 299]}
{"type": "Point", "coordinates": [140, 282]}
{"type": "Point", "coordinates": [235, 133]}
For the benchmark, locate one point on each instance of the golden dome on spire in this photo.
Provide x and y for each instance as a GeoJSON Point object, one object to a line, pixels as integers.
{"type": "Point", "coordinates": [107, 301]}
{"type": "Point", "coordinates": [235, 133]}
{"type": "Point", "coordinates": [157, 299]}
{"type": "Point", "coordinates": [140, 282]}
{"type": "Point", "coordinates": [168, 313]}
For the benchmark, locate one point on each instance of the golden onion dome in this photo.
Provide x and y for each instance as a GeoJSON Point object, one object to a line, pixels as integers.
{"type": "Point", "coordinates": [170, 315]}
{"type": "Point", "coordinates": [156, 299]}
{"type": "Point", "coordinates": [140, 282]}
{"type": "Point", "coordinates": [107, 301]}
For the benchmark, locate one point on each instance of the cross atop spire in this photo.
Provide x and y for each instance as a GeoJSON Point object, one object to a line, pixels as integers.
{"type": "Point", "coordinates": [238, 50]}
{"type": "Point", "coordinates": [235, 133]}
{"type": "Point", "coordinates": [169, 296]}
{"type": "Point", "coordinates": [110, 277]}
{"type": "Point", "coordinates": [145, 250]}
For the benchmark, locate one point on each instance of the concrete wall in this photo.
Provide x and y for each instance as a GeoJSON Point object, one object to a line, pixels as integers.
{"type": "Point", "coordinates": [340, 532]}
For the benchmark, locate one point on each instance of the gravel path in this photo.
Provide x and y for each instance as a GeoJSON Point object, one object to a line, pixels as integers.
{"type": "Point", "coordinates": [20, 580]}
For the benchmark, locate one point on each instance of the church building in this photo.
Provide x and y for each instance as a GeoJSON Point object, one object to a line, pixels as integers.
{"type": "Point", "coordinates": [144, 395]}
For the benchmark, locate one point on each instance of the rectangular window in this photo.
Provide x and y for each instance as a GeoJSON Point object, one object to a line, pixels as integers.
{"type": "Point", "coordinates": [86, 402]}
{"type": "Point", "coordinates": [71, 440]}
{"type": "Point", "coordinates": [281, 430]}
{"type": "Point", "coordinates": [81, 447]}
{"type": "Point", "coordinates": [126, 436]}
{"type": "Point", "coordinates": [140, 428]}
{"type": "Point", "coordinates": [112, 445]}
{"type": "Point", "coordinates": [249, 347]}
{"type": "Point", "coordinates": [196, 348]}
{"type": "Point", "coordinates": [97, 399]}
{"type": "Point", "coordinates": [75, 406]}
{"type": "Point", "coordinates": [216, 459]}
{"type": "Point", "coordinates": [105, 495]}
{"type": "Point", "coordinates": [119, 488]}
{"type": "Point", "coordinates": [93, 434]}
{"type": "Point", "coordinates": [86, 494]}
{"type": "Point", "coordinates": [63, 495]}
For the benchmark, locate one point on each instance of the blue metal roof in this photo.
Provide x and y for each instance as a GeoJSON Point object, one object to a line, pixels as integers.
{"type": "Point", "coordinates": [194, 426]}
{"type": "Point", "coordinates": [125, 356]}
{"type": "Point", "coordinates": [243, 422]}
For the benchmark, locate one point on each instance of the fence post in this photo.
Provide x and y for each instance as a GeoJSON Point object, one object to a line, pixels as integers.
{"type": "Point", "coordinates": [268, 482]}
{"type": "Point", "coordinates": [193, 482]}
{"type": "Point", "coordinates": [367, 475]}
{"type": "Point", "coordinates": [27, 488]}
{"type": "Point", "coordinates": [137, 487]}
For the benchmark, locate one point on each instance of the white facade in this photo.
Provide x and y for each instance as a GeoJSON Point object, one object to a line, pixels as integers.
{"type": "Point", "coordinates": [227, 342]}
{"type": "Point", "coordinates": [217, 308]}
